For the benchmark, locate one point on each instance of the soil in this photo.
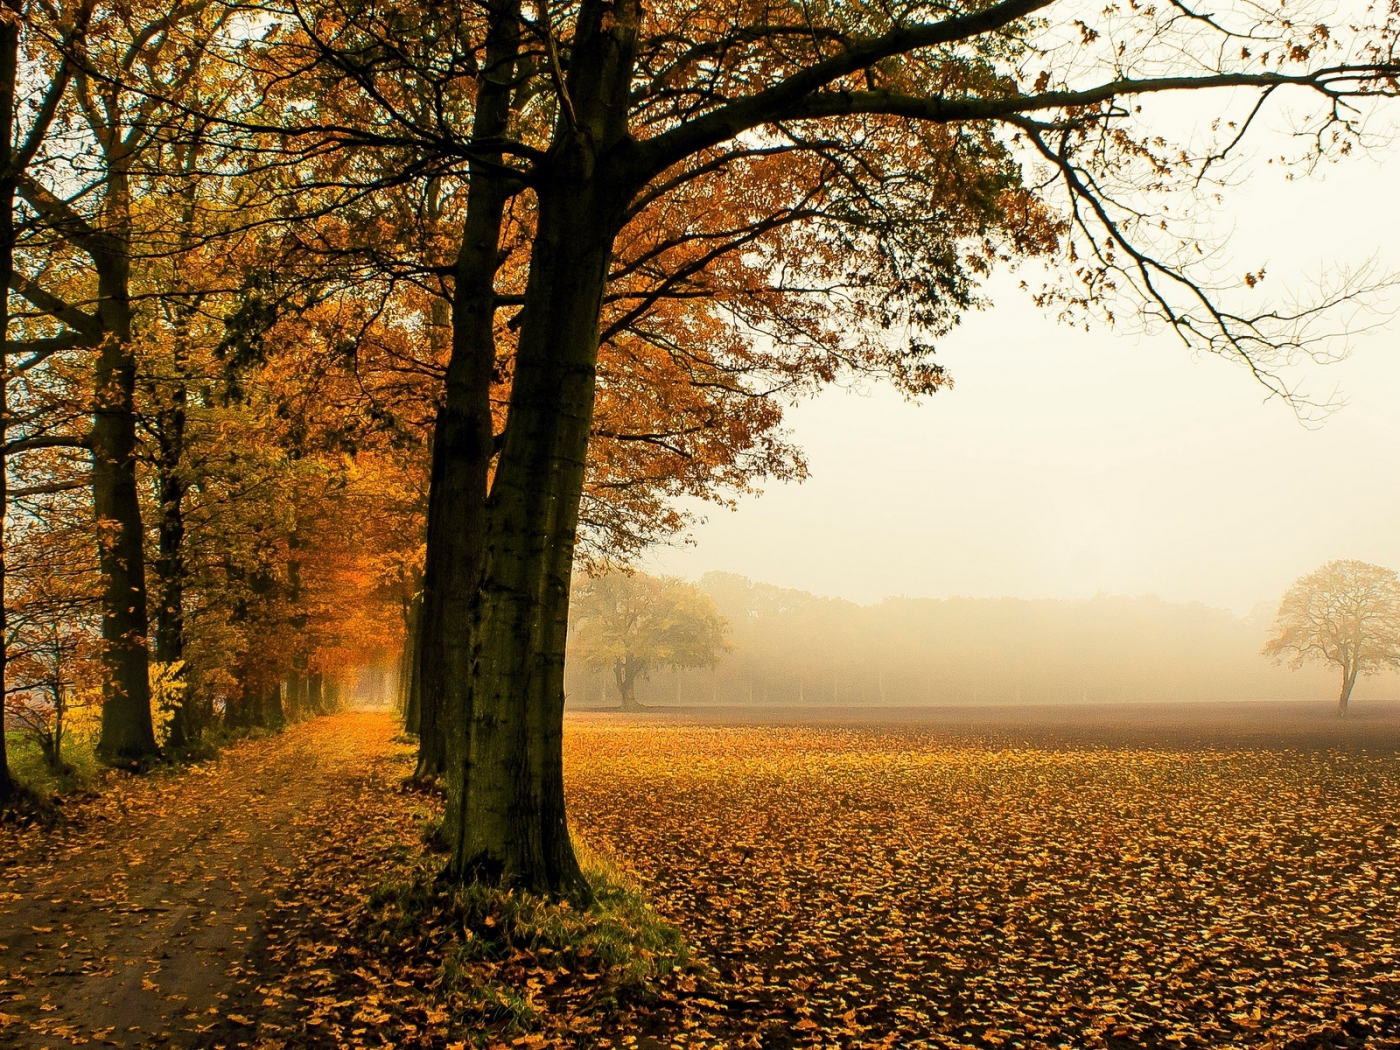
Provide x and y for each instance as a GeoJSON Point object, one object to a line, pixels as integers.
{"type": "Point", "coordinates": [142, 919]}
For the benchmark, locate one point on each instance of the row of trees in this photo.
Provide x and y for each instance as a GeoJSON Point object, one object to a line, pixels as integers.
{"type": "Point", "coordinates": [224, 362]}
{"type": "Point", "coordinates": [194, 502]}
{"type": "Point", "coordinates": [791, 647]}
{"type": "Point", "coordinates": [545, 267]}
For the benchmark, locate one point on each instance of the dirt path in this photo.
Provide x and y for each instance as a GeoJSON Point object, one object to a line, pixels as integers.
{"type": "Point", "coordinates": [145, 921]}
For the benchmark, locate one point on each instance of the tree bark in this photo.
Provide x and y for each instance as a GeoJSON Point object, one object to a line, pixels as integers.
{"type": "Point", "coordinates": [506, 817]}
{"type": "Point", "coordinates": [464, 440]}
{"type": "Point", "coordinates": [170, 553]}
{"type": "Point", "coordinates": [170, 570]}
{"type": "Point", "coordinates": [1348, 684]}
{"type": "Point", "coordinates": [626, 678]}
{"type": "Point", "coordinates": [507, 820]}
{"type": "Point", "coordinates": [408, 662]}
{"type": "Point", "coordinates": [274, 716]}
{"type": "Point", "coordinates": [127, 734]}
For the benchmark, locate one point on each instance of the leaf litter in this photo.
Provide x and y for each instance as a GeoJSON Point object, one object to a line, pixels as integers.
{"type": "Point", "coordinates": [840, 887]}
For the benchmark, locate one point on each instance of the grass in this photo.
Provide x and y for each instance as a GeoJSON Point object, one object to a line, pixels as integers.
{"type": "Point", "coordinates": [483, 938]}
{"type": "Point", "coordinates": [29, 768]}
{"type": "Point", "coordinates": [83, 771]}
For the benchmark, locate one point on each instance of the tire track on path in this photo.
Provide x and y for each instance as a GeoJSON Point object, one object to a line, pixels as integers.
{"type": "Point", "coordinates": [144, 920]}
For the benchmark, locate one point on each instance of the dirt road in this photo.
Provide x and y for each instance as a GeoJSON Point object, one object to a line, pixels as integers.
{"type": "Point", "coordinates": [145, 921]}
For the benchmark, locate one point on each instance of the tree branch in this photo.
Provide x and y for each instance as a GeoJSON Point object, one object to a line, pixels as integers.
{"type": "Point", "coordinates": [50, 304]}
{"type": "Point", "coordinates": [657, 154]}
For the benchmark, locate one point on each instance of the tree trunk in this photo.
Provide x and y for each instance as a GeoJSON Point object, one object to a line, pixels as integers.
{"type": "Point", "coordinates": [298, 695]}
{"type": "Point", "coordinates": [1348, 684]}
{"type": "Point", "coordinates": [170, 556]}
{"type": "Point", "coordinates": [463, 440]}
{"type": "Point", "coordinates": [407, 700]}
{"type": "Point", "coordinates": [274, 716]}
{"type": "Point", "coordinates": [9, 71]}
{"type": "Point", "coordinates": [253, 695]}
{"type": "Point", "coordinates": [236, 709]}
{"type": "Point", "coordinates": [127, 733]}
{"type": "Point", "coordinates": [506, 816]}
{"type": "Point", "coordinates": [626, 680]}
{"type": "Point", "coordinates": [170, 568]}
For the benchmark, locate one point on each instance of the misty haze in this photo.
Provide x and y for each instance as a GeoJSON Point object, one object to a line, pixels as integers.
{"type": "Point", "coordinates": [790, 648]}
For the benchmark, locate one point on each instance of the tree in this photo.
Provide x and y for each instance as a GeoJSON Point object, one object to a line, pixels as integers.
{"type": "Point", "coordinates": [22, 132]}
{"type": "Point", "coordinates": [118, 73]}
{"type": "Point", "coordinates": [632, 624]}
{"type": "Point", "coordinates": [648, 99]}
{"type": "Point", "coordinates": [864, 166]}
{"type": "Point", "coordinates": [1347, 613]}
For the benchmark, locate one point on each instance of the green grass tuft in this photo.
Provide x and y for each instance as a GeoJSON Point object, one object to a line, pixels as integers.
{"type": "Point", "coordinates": [27, 765]}
{"type": "Point", "coordinates": [480, 937]}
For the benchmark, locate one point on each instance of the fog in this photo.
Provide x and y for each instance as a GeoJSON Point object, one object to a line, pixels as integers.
{"type": "Point", "coordinates": [795, 648]}
{"type": "Point", "coordinates": [1088, 513]}
{"type": "Point", "coordinates": [1065, 463]}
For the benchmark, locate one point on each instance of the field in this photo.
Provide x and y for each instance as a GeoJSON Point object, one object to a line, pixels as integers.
{"type": "Point", "coordinates": [1132, 877]}
{"type": "Point", "coordinates": [1113, 877]}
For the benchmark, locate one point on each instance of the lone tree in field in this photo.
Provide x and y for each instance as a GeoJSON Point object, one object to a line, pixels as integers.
{"type": "Point", "coordinates": [633, 624]}
{"type": "Point", "coordinates": [1347, 613]}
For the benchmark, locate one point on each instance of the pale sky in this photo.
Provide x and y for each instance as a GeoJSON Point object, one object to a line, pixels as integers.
{"type": "Point", "coordinates": [1065, 463]}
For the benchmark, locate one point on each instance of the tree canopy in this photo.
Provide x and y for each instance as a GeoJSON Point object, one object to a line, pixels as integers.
{"type": "Point", "coordinates": [1346, 613]}
{"type": "Point", "coordinates": [632, 624]}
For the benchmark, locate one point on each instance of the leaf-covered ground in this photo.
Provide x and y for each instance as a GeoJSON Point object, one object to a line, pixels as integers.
{"type": "Point", "coordinates": [849, 886]}
{"type": "Point", "coordinates": [905, 886]}
{"type": "Point", "coordinates": [148, 916]}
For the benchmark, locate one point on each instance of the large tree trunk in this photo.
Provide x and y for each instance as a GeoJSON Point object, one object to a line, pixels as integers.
{"type": "Point", "coordinates": [9, 71]}
{"type": "Point", "coordinates": [127, 733]}
{"type": "Point", "coordinates": [463, 440]}
{"type": "Point", "coordinates": [506, 819]}
{"type": "Point", "coordinates": [506, 800]}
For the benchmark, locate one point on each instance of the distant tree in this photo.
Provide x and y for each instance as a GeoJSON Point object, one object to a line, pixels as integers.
{"type": "Point", "coordinates": [1346, 613]}
{"type": "Point", "coordinates": [632, 624]}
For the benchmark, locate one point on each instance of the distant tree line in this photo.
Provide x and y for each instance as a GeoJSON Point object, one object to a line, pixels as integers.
{"type": "Point", "coordinates": [791, 647]}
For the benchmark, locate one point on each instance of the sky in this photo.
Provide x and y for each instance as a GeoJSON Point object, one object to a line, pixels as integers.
{"type": "Point", "coordinates": [1063, 464]}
